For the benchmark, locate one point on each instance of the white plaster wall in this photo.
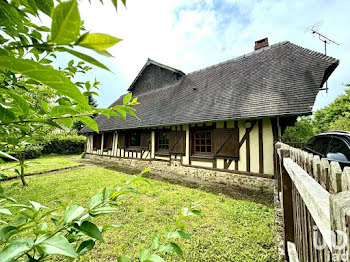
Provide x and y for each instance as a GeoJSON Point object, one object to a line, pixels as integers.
{"type": "Point", "coordinates": [254, 148]}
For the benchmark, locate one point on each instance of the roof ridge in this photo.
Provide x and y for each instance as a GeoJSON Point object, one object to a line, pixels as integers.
{"type": "Point", "coordinates": [315, 53]}
{"type": "Point", "coordinates": [242, 56]}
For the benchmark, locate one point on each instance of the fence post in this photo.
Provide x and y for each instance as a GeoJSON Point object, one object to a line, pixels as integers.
{"type": "Point", "coordinates": [287, 202]}
{"type": "Point", "coordinates": [278, 170]}
{"type": "Point", "coordinates": [340, 219]}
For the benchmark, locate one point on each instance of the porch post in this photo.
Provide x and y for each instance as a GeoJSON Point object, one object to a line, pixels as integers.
{"type": "Point", "coordinates": [153, 143]}
{"type": "Point", "coordinates": [103, 137]}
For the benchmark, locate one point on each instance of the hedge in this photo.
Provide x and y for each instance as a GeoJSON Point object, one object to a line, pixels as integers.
{"type": "Point", "coordinates": [65, 144]}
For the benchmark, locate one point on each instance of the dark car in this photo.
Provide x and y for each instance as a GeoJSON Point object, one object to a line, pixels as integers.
{"type": "Point", "coordinates": [333, 145]}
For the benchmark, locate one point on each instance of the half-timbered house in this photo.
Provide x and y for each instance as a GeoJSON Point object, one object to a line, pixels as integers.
{"type": "Point", "coordinates": [225, 117]}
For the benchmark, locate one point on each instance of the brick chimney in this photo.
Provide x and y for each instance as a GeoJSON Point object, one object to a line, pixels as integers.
{"type": "Point", "coordinates": [261, 43]}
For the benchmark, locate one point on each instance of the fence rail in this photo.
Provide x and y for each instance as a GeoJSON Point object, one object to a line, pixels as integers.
{"type": "Point", "coordinates": [315, 199]}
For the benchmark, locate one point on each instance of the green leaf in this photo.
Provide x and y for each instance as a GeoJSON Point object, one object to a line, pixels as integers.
{"type": "Point", "coordinates": [23, 105]}
{"type": "Point", "coordinates": [180, 234]}
{"type": "Point", "coordinates": [9, 17]}
{"type": "Point", "coordinates": [171, 248]}
{"type": "Point", "coordinates": [5, 211]}
{"type": "Point", "coordinates": [84, 57]}
{"type": "Point", "coordinates": [72, 213]}
{"type": "Point", "coordinates": [95, 200]}
{"type": "Point", "coordinates": [43, 74]}
{"type": "Point", "coordinates": [144, 254]}
{"type": "Point", "coordinates": [91, 230]}
{"type": "Point", "coordinates": [98, 41]}
{"type": "Point", "coordinates": [67, 122]}
{"type": "Point", "coordinates": [123, 259]}
{"type": "Point", "coordinates": [3, 154]}
{"type": "Point", "coordinates": [37, 205]}
{"type": "Point", "coordinates": [103, 210]}
{"type": "Point", "coordinates": [105, 193]}
{"type": "Point", "coordinates": [85, 246]}
{"type": "Point", "coordinates": [155, 242]}
{"type": "Point", "coordinates": [6, 115]}
{"type": "Point", "coordinates": [127, 98]}
{"type": "Point", "coordinates": [44, 121]}
{"type": "Point", "coordinates": [58, 245]}
{"type": "Point", "coordinates": [154, 258]}
{"type": "Point", "coordinates": [7, 232]}
{"type": "Point", "coordinates": [65, 26]}
{"type": "Point", "coordinates": [14, 250]}
{"type": "Point", "coordinates": [106, 227]}
{"type": "Point", "coordinates": [45, 6]}
{"type": "Point", "coordinates": [63, 110]}
{"type": "Point", "coordinates": [64, 101]}
{"type": "Point", "coordinates": [89, 122]}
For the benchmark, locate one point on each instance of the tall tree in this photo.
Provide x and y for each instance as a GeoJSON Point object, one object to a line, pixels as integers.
{"type": "Point", "coordinates": [300, 132]}
{"type": "Point", "coordinates": [339, 108]}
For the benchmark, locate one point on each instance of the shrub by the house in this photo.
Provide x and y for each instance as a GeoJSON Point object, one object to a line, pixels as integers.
{"type": "Point", "coordinates": [63, 144]}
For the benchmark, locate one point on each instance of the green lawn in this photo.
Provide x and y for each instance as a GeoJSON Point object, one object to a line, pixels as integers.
{"type": "Point", "coordinates": [44, 164]}
{"type": "Point", "coordinates": [228, 230]}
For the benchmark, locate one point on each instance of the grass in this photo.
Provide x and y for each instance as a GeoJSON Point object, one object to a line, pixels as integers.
{"type": "Point", "coordinates": [228, 230]}
{"type": "Point", "coordinates": [43, 164]}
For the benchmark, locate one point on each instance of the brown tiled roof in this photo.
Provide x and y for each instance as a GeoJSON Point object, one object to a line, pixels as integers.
{"type": "Point", "coordinates": [278, 80]}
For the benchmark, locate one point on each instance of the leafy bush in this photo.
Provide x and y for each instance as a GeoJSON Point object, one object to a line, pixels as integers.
{"type": "Point", "coordinates": [32, 151]}
{"type": "Point", "coordinates": [302, 130]}
{"type": "Point", "coordinates": [63, 144]}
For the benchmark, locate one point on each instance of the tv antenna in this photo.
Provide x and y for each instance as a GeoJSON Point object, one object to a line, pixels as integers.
{"type": "Point", "coordinates": [326, 42]}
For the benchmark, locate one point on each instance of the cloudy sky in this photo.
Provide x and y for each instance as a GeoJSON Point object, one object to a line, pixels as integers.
{"type": "Point", "coordinates": [190, 35]}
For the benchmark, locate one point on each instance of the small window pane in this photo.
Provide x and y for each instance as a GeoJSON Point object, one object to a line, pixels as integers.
{"type": "Point", "coordinates": [208, 148]}
{"type": "Point", "coordinates": [321, 144]}
{"type": "Point", "coordinates": [338, 146]}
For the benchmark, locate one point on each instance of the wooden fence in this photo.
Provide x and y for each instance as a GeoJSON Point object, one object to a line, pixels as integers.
{"type": "Point", "coordinates": [315, 199]}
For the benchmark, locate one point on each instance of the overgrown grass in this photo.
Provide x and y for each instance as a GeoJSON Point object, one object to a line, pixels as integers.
{"type": "Point", "coordinates": [228, 230]}
{"type": "Point", "coordinates": [43, 164]}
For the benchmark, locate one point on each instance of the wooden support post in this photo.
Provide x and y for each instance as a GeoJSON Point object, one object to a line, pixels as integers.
{"type": "Point", "coordinates": [287, 202]}
{"type": "Point", "coordinates": [277, 169]}
{"type": "Point", "coordinates": [102, 141]}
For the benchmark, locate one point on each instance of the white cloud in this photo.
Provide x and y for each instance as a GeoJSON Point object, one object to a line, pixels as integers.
{"type": "Point", "coordinates": [190, 35]}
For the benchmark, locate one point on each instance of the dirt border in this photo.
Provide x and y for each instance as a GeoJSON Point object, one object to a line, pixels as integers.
{"type": "Point", "coordinates": [236, 192]}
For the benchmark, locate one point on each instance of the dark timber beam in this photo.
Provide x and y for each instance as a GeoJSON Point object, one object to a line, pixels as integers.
{"type": "Point", "coordinates": [261, 147]}
{"type": "Point", "coordinates": [236, 161]}
{"type": "Point", "coordinates": [246, 135]}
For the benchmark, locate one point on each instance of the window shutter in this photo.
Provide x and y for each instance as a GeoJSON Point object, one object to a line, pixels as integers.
{"type": "Point", "coordinates": [121, 140]}
{"type": "Point", "coordinates": [97, 141]}
{"type": "Point", "coordinates": [226, 142]}
{"type": "Point", "coordinates": [108, 141]}
{"type": "Point", "coordinates": [177, 142]}
{"type": "Point", "coordinates": [145, 139]}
